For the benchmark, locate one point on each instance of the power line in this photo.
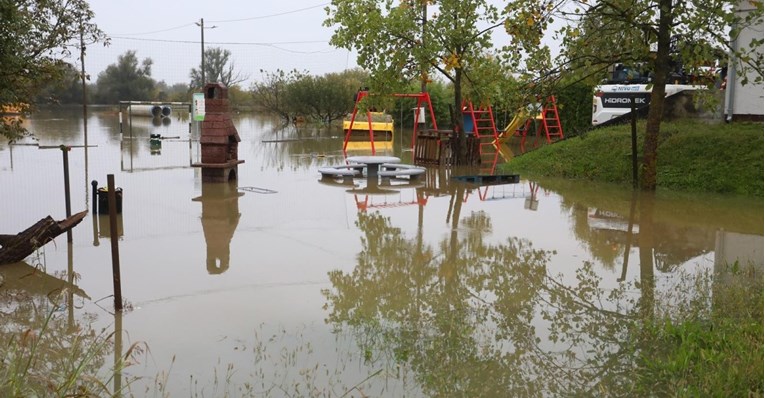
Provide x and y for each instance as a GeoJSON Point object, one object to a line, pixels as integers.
{"type": "Point", "coordinates": [156, 31]}
{"type": "Point", "coordinates": [274, 45]}
{"type": "Point", "coordinates": [222, 42]}
{"type": "Point", "coordinates": [271, 15]}
{"type": "Point", "coordinates": [225, 21]}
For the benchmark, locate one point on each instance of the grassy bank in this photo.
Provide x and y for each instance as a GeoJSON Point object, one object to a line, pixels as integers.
{"type": "Point", "coordinates": [716, 353]}
{"type": "Point", "coordinates": [693, 156]}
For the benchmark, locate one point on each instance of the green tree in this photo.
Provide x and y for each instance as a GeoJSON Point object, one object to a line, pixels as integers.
{"type": "Point", "coordinates": [126, 80]}
{"type": "Point", "coordinates": [178, 92]}
{"type": "Point", "coordinates": [654, 32]}
{"type": "Point", "coordinates": [219, 67]}
{"type": "Point", "coordinates": [399, 42]}
{"type": "Point", "coordinates": [34, 38]}
{"type": "Point", "coordinates": [324, 98]}
{"type": "Point", "coordinates": [270, 94]}
{"type": "Point", "coordinates": [65, 89]}
{"type": "Point", "coordinates": [239, 99]}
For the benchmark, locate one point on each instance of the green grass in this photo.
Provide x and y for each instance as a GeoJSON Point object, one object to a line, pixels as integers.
{"type": "Point", "coordinates": [693, 156]}
{"type": "Point", "coordinates": [720, 355]}
{"type": "Point", "coordinates": [45, 354]}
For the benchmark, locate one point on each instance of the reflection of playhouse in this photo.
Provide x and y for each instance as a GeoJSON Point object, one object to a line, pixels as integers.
{"type": "Point", "coordinates": [220, 217]}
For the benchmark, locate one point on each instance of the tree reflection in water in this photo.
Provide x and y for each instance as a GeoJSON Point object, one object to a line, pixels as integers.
{"type": "Point", "coordinates": [470, 318]}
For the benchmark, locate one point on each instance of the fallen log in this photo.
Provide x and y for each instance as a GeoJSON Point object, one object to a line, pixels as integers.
{"type": "Point", "coordinates": [17, 247]}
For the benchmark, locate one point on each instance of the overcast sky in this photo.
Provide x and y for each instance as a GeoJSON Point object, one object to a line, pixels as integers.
{"type": "Point", "coordinates": [263, 35]}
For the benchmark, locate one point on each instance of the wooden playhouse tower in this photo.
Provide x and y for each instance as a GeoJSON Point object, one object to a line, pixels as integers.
{"type": "Point", "coordinates": [219, 138]}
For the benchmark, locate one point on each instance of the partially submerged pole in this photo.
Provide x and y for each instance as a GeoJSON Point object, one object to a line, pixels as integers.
{"type": "Point", "coordinates": [94, 196]}
{"type": "Point", "coordinates": [114, 239]}
{"type": "Point", "coordinates": [65, 151]}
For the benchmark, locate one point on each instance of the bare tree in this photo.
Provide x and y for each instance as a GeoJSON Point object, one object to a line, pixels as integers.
{"type": "Point", "coordinates": [219, 67]}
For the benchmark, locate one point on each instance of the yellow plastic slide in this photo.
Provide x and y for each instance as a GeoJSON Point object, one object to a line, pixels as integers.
{"type": "Point", "coordinates": [514, 124]}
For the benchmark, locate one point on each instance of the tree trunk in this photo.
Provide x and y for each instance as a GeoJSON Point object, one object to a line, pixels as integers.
{"type": "Point", "coordinates": [656, 109]}
{"type": "Point", "coordinates": [17, 247]}
{"type": "Point", "coordinates": [459, 145]}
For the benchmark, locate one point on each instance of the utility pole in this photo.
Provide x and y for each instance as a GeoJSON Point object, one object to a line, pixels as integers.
{"type": "Point", "coordinates": [84, 92]}
{"type": "Point", "coordinates": [201, 25]}
{"type": "Point", "coordinates": [202, 29]}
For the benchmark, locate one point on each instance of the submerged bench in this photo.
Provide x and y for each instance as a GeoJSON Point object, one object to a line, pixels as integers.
{"type": "Point", "coordinates": [346, 171]}
{"type": "Point", "coordinates": [393, 170]}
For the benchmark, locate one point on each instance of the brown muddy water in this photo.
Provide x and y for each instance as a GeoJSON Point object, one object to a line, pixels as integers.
{"type": "Point", "coordinates": [285, 286]}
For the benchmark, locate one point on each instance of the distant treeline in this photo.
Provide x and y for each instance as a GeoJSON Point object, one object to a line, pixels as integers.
{"type": "Point", "coordinates": [290, 95]}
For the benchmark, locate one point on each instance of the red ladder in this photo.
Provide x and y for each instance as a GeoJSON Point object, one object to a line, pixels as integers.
{"type": "Point", "coordinates": [523, 130]}
{"type": "Point", "coordinates": [485, 131]}
{"type": "Point", "coordinates": [551, 120]}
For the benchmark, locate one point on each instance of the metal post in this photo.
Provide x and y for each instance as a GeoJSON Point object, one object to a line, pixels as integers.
{"type": "Point", "coordinates": [114, 239]}
{"type": "Point", "coordinates": [65, 151]}
{"type": "Point", "coordinates": [94, 186]}
{"type": "Point", "coordinates": [190, 133]}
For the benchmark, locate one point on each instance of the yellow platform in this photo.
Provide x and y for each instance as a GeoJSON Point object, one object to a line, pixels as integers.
{"type": "Point", "coordinates": [382, 132]}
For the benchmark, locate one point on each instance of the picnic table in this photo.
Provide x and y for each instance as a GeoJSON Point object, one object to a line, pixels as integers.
{"type": "Point", "coordinates": [373, 162]}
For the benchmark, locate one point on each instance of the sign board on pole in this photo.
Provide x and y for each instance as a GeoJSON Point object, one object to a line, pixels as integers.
{"type": "Point", "coordinates": [199, 106]}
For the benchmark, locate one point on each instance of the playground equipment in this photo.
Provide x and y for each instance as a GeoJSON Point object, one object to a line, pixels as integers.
{"type": "Point", "coordinates": [381, 127]}
{"type": "Point", "coordinates": [479, 121]}
{"type": "Point", "coordinates": [547, 121]}
{"type": "Point", "coordinates": [351, 126]}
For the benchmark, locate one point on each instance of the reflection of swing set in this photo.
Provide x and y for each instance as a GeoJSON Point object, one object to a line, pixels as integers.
{"type": "Point", "coordinates": [363, 202]}
{"type": "Point", "coordinates": [511, 191]}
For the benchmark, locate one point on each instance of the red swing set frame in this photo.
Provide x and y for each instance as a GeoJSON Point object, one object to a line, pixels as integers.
{"type": "Point", "coordinates": [421, 98]}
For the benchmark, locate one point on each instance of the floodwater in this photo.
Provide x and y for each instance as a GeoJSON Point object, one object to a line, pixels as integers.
{"type": "Point", "coordinates": [281, 285]}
